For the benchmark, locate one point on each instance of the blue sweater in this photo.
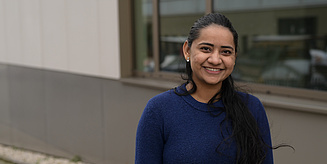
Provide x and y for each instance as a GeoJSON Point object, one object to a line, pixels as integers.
{"type": "Point", "coordinates": [179, 129]}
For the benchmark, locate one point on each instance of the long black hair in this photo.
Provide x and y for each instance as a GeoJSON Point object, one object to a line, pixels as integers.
{"type": "Point", "coordinates": [245, 132]}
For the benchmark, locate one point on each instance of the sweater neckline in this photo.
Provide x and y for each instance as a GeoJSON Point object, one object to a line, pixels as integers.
{"type": "Point", "coordinates": [197, 104]}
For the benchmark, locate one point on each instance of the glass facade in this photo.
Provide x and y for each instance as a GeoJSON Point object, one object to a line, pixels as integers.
{"type": "Point", "coordinates": [176, 17]}
{"type": "Point", "coordinates": [281, 42]}
{"type": "Point", "coordinates": [143, 35]}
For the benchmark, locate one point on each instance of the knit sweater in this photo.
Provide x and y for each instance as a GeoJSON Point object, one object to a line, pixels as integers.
{"type": "Point", "coordinates": [177, 129]}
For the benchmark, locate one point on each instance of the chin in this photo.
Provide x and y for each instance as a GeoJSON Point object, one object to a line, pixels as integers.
{"type": "Point", "coordinates": [213, 82]}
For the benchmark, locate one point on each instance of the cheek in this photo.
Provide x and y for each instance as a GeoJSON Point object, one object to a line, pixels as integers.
{"type": "Point", "coordinates": [230, 63]}
{"type": "Point", "coordinates": [196, 60]}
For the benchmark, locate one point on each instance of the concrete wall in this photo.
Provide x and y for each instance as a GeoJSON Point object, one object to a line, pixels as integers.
{"type": "Point", "coordinates": [79, 36]}
{"type": "Point", "coordinates": [66, 115]}
{"type": "Point", "coordinates": [306, 132]}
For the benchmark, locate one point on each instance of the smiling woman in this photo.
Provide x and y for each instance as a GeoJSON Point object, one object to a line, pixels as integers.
{"type": "Point", "coordinates": [212, 58]}
{"type": "Point", "coordinates": [205, 120]}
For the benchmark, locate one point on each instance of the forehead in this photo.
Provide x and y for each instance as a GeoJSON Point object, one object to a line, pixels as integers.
{"type": "Point", "coordinates": [215, 33]}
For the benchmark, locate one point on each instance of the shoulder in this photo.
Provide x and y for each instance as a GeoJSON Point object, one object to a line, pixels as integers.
{"type": "Point", "coordinates": [162, 101]}
{"type": "Point", "coordinates": [249, 99]}
{"type": "Point", "coordinates": [162, 98]}
{"type": "Point", "coordinates": [158, 108]}
{"type": "Point", "coordinates": [253, 103]}
{"type": "Point", "coordinates": [257, 109]}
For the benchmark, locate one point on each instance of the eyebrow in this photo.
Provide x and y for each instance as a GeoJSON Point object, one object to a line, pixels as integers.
{"type": "Point", "coordinates": [227, 47]}
{"type": "Point", "coordinates": [209, 44]}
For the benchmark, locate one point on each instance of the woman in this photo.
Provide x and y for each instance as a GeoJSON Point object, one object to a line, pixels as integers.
{"type": "Point", "coordinates": [205, 120]}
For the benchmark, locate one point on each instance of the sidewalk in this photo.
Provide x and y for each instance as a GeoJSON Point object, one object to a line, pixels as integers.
{"type": "Point", "coordinates": [19, 156]}
{"type": "Point", "coordinates": [4, 162]}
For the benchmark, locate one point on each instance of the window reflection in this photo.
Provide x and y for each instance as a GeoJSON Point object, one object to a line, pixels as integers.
{"type": "Point", "coordinates": [281, 42]}
{"type": "Point", "coordinates": [143, 35]}
{"type": "Point", "coordinates": [176, 18]}
{"type": "Point", "coordinates": [280, 45]}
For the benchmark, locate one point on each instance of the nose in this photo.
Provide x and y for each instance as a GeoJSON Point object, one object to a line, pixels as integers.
{"type": "Point", "coordinates": [215, 58]}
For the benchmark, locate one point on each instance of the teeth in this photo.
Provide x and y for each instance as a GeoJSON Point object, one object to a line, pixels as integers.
{"type": "Point", "coordinates": [213, 69]}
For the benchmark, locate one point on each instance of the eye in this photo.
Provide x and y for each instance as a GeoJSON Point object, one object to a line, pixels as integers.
{"type": "Point", "coordinates": [226, 52]}
{"type": "Point", "coordinates": [205, 49]}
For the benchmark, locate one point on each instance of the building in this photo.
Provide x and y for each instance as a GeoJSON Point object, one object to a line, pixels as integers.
{"type": "Point", "coordinates": [75, 75]}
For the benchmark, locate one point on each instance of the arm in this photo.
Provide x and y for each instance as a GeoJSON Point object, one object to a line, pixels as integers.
{"type": "Point", "coordinates": [265, 131]}
{"type": "Point", "coordinates": [149, 140]}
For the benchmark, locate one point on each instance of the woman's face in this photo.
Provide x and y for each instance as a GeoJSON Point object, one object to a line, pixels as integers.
{"type": "Point", "coordinates": [212, 55]}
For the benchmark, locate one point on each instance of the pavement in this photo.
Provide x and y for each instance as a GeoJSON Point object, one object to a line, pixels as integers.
{"type": "Point", "coordinates": [4, 162]}
{"type": "Point", "coordinates": [13, 155]}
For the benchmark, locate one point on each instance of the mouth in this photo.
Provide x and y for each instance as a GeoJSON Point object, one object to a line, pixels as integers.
{"type": "Point", "coordinates": [213, 69]}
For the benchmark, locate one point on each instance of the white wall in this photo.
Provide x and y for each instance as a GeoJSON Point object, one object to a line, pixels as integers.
{"type": "Point", "coordinates": [77, 36]}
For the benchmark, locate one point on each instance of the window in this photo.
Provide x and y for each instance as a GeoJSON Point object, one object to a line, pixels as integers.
{"type": "Point", "coordinates": [160, 51]}
{"type": "Point", "coordinates": [281, 43]}
{"type": "Point", "coordinates": [297, 26]}
{"type": "Point", "coordinates": [143, 35]}
{"type": "Point", "coordinates": [175, 19]}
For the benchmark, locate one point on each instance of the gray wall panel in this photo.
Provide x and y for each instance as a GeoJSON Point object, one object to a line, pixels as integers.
{"type": "Point", "coordinates": [66, 115]}
{"type": "Point", "coordinates": [27, 107]}
{"type": "Point", "coordinates": [5, 122]}
{"type": "Point", "coordinates": [123, 106]}
{"type": "Point", "coordinates": [74, 115]}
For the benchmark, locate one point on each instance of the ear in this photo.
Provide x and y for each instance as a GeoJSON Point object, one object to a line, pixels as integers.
{"type": "Point", "coordinates": [186, 50]}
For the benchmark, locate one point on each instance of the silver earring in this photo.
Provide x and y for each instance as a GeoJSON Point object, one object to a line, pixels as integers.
{"type": "Point", "coordinates": [188, 59]}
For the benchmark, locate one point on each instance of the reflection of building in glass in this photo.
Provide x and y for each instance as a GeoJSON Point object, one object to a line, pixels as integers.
{"type": "Point", "coordinates": [274, 38]}
{"type": "Point", "coordinates": [284, 60]}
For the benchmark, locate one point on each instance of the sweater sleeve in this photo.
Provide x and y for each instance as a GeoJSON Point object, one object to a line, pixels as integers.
{"type": "Point", "coordinates": [263, 124]}
{"type": "Point", "coordinates": [149, 140]}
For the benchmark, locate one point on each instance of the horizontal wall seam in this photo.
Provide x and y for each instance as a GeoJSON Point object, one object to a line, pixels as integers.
{"type": "Point", "coordinates": [295, 106]}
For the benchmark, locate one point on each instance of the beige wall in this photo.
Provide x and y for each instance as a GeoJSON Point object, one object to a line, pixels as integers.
{"type": "Point", "coordinates": [300, 123]}
{"type": "Point", "coordinates": [78, 36]}
{"type": "Point", "coordinates": [306, 132]}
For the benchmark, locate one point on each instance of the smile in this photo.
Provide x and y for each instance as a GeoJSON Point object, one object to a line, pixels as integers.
{"type": "Point", "coordinates": [212, 69]}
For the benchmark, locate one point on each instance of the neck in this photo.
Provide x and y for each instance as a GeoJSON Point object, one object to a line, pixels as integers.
{"type": "Point", "coordinates": [204, 93]}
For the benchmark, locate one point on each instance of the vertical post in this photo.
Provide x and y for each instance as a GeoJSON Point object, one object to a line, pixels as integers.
{"type": "Point", "coordinates": [155, 35]}
{"type": "Point", "coordinates": [209, 6]}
